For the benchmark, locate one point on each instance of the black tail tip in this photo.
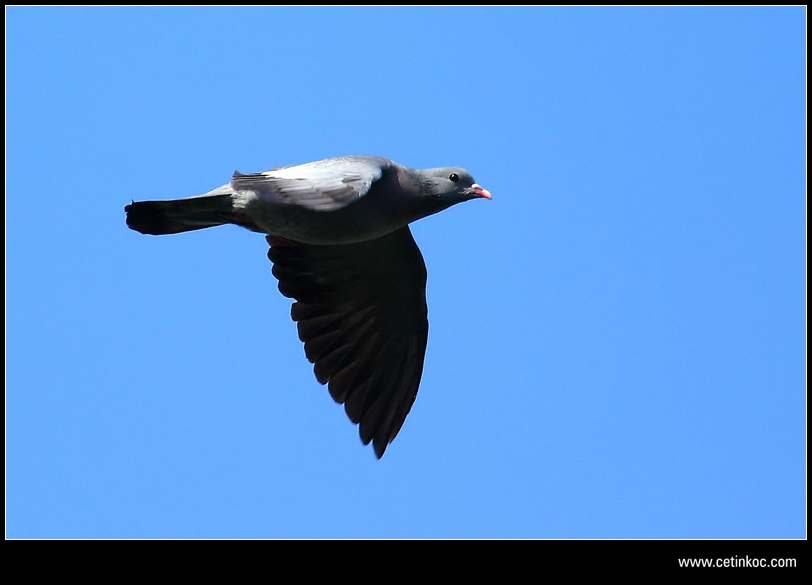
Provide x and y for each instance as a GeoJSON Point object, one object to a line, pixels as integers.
{"type": "Point", "coordinates": [146, 217]}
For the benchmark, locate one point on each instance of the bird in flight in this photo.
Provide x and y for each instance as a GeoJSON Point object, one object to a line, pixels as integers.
{"type": "Point", "coordinates": [341, 247]}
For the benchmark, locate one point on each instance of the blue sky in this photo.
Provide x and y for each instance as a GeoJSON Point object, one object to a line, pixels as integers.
{"type": "Point", "coordinates": [617, 341]}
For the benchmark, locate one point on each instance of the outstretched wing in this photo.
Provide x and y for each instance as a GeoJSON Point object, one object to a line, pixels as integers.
{"type": "Point", "coordinates": [324, 185]}
{"type": "Point", "coordinates": [362, 315]}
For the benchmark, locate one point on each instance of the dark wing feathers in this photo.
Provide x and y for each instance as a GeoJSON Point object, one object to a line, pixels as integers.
{"type": "Point", "coordinates": [361, 313]}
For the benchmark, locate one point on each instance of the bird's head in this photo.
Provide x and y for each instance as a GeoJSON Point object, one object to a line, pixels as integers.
{"type": "Point", "coordinates": [447, 186]}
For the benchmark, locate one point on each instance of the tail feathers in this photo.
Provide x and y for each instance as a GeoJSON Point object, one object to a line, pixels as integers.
{"type": "Point", "coordinates": [179, 215]}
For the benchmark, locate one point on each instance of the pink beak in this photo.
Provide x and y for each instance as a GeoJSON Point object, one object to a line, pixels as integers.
{"type": "Point", "coordinates": [480, 191]}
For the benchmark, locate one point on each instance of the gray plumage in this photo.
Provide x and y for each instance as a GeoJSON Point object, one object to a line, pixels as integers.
{"type": "Point", "coordinates": [341, 248]}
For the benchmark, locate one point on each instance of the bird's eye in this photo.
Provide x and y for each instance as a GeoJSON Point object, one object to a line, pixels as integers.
{"type": "Point", "coordinates": [454, 177]}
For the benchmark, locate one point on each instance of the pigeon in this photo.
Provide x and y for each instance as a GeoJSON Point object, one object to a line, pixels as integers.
{"type": "Point", "coordinates": [341, 248]}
